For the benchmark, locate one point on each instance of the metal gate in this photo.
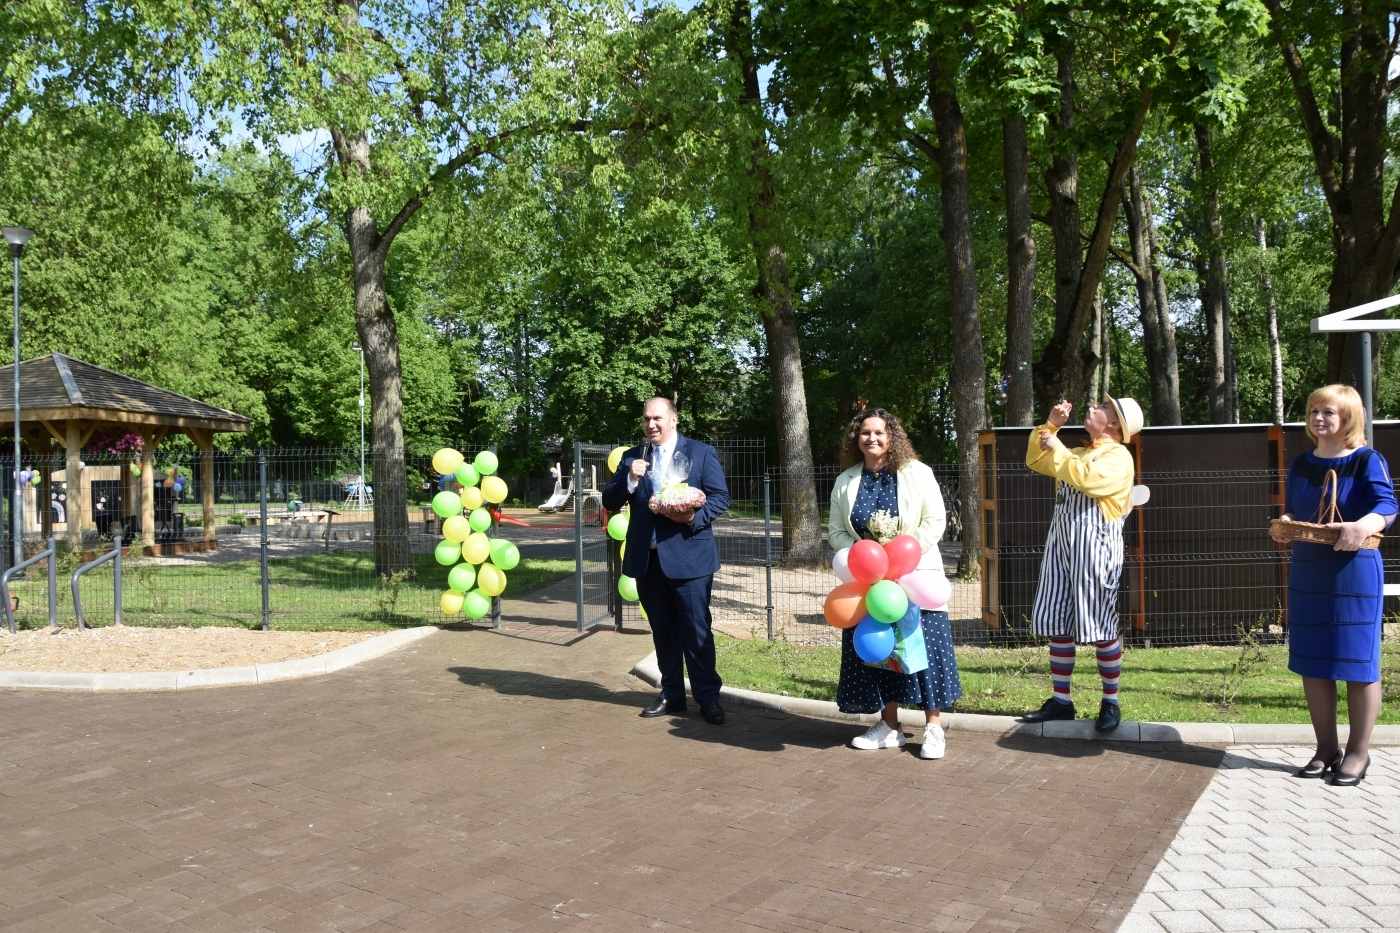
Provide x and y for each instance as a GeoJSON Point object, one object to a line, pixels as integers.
{"type": "Point", "coordinates": [594, 552]}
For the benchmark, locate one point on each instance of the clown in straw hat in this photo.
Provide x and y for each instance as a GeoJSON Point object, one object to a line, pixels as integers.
{"type": "Point", "coordinates": [1077, 599]}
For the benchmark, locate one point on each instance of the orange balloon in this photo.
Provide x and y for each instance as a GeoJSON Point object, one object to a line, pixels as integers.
{"type": "Point", "coordinates": [845, 605]}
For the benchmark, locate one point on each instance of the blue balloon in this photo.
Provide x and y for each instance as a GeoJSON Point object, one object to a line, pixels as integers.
{"type": "Point", "coordinates": [874, 640]}
{"type": "Point", "coordinates": [911, 621]}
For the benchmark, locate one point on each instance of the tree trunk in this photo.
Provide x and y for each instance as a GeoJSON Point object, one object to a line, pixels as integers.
{"type": "Point", "coordinates": [1214, 293]}
{"type": "Point", "coordinates": [1156, 327]}
{"type": "Point", "coordinates": [1164, 317]}
{"type": "Point", "coordinates": [1105, 315]}
{"type": "Point", "coordinates": [1066, 363]}
{"type": "Point", "coordinates": [969, 365]}
{"type": "Point", "coordinates": [379, 335]}
{"type": "Point", "coordinates": [1020, 260]}
{"type": "Point", "coordinates": [1096, 341]}
{"type": "Point", "coordinates": [1350, 165]}
{"type": "Point", "coordinates": [802, 528]}
{"type": "Point", "coordinates": [1271, 305]}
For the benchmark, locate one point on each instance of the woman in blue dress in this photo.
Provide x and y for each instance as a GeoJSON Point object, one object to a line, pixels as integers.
{"type": "Point", "coordinates": [886, 476]}
{"type": "Point", "coordinates": [1335, 592]}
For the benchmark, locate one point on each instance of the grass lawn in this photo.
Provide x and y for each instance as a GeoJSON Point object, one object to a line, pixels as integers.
{"type": "Point", "coordinates": [1197, 684]}
{"type": "Point", "coordinates": [336, 591]}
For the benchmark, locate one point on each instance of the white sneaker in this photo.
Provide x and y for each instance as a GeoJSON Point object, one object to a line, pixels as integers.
{"type": "Point", "coordinates": [879, 736]}
{"type": "Point", "coordinates": [934, 742]}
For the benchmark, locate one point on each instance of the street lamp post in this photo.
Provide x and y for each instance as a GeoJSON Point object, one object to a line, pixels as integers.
{"type": "Point", "coordinates": [360, 489]}
{"type": "Point", "coordinates": [17, 237]}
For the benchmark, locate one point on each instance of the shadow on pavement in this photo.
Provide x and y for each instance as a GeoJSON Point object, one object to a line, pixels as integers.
{"type": "Point", "coordinates": [747, 727]}
{"type": "Point", "coordinates": [1203, 755]}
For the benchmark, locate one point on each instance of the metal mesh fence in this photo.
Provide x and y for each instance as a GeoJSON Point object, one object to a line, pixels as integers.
{"type": "Point", "coordinates": [1200, 565]}
{"type": "Point", "coordinates": [195, 532]}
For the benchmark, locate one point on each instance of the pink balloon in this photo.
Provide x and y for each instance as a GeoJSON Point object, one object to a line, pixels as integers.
{"type": "Point", "coordinates": [928, 589]}
{"type": "Point", "coordinates": [839, 567]}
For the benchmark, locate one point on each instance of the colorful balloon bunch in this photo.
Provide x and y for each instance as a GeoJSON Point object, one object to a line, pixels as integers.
{"type": "Point", "coordinates": [173, 480]}
{"type": "Point", "coordinates": [882, 587]}
{"type": "Point", "coordinates": [481, 573]}
{"type": "Point", "coordinates": [30, 477]}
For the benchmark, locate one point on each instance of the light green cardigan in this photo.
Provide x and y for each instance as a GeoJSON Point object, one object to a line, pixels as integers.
{"type": "Point", "coordinates": [921, 511]}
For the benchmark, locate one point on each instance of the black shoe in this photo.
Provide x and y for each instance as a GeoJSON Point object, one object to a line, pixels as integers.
{"type": "Point", "coordinates": [664, 707]}
{"type": "Point", "coordinates": [1051, 709]}
{"type": "Point", "coordinates": [1341, 779]}
{"type": "Point", "coordinates": [1109, 717]}
{"type": "Point", "coordinates": [1311, 770]}
{"type": "Point", "coordinates": [713, 714]}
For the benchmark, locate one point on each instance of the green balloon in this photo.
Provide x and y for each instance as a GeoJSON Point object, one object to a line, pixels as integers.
{"type": "Point", "coordinates": [479, 519]}
{"type": "Point", "coordinates": [462, 578]}
{"type": "Point", "coordinates": [466, 475]}
{"type": "Point", "coordinates": [486, 463]}
{"type": "Point", "coordinates": [447, 553]}
{"type": "Point", "coordinates": [627, 588]}
{"type": "Point", "coordinates": [447, 504]}
{"type": "Point", "coordinates": [476, 604]}
{"type": "Point", "coordinates": [887, 602]}
{"type": "Point", "coordinates": [504, 554]}
{"type": "Point", "coordinates": [617, 527]}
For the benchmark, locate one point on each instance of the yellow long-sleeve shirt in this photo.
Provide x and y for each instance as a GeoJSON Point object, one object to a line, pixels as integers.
{"type": "Point", "coordinates": [1107, 477]}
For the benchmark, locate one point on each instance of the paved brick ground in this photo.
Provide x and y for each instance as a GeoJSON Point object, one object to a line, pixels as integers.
{"type": "Point", "coordinates": [1263, 850]}
{"type": "Point", "coordinates": [483, 782]}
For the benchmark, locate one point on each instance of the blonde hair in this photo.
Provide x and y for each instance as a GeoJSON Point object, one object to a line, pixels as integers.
{"type": "Point", "coordinates": [1348, 405]}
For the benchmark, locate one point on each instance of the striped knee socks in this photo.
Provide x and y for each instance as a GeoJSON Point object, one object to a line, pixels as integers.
{"type": "Point", "coordinates": [1061, 666]}
{"type": "Point", "coordinates": [1110, 656]}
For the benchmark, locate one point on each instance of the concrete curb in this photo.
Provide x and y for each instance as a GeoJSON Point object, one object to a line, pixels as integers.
{"type": "Point", "coordinates": [218, 676]}
{"type": "Point", "coordinates": [1192, 733]}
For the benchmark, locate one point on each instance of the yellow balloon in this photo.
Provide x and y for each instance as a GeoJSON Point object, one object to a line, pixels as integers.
{"type": "Point", "coordinates": [622, 551]}
{"type": "Point", "coordinates": [494, 489]}
{"type": "Point", "coordinates": [447, 460]}
{"type": "Point", "coordinates": [471, 498]}
{"type": "Point", "coordinates": [491, 579]}
{"type": "Point", "coordinates": [643, 610]}
{"type": "Point", "coordinates": [476, 548]}
{"type": "Point", "coordinates": [456, 528]}
{"type": "Point", "coordinates": [451, 602]}
{"type": "Point", "coordinates": [615, 458]}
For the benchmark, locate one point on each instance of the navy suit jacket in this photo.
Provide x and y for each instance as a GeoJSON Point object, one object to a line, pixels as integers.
{"type": "Point", "coordinates": [685, 551]}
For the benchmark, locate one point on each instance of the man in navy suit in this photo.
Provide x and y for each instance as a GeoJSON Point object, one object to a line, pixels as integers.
{"type": "Point", "coordinates": [673, 561]}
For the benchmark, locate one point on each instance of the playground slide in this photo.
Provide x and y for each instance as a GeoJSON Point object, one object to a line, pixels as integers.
{"type": "Point", "coordinates": [556, 501]}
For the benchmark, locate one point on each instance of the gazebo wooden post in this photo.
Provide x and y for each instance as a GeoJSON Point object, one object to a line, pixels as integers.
{"type": "Point", "coordinates": [43, 502]}
{"type": "Point", "coordinates": [148, 491]}
{"type": "Point", "coordinates": [204, 440]}
{"type": "Point", "coordinates": [78, 508]}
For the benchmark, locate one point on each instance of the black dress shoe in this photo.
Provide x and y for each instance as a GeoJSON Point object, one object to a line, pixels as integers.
{"type": "Point", "coordinates": [1109, 717]}
{"type": "Point", "coordinates": [1311, 770]}
{"type": "Point", "coordinates": [664, 707]}
{"type": "Point", "coordinates": [713, 714]}
{"type": "Point", "coordinates": [1051, 709]}
{"type": "Point", "coordinates": [1341, 779]}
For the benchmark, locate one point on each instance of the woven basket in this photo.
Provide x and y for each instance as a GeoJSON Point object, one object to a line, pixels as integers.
{"type": "Point", "coordinates": [1317, 532]}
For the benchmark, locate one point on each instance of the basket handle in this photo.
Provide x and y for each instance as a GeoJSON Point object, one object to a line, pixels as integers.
{"type": "Point", "coordinates": [1327, 511]}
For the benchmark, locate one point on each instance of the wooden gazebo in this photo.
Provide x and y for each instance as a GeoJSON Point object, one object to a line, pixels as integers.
{"type": "Point", "coordinates": [69, 400]}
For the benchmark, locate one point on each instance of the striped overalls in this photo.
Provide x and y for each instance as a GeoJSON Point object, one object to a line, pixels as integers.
{"type": "Point", "coordinates": [1078, 592]}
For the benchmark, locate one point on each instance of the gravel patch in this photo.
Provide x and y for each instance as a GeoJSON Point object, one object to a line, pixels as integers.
{"type": "Point", "coordinates": [132, 648]}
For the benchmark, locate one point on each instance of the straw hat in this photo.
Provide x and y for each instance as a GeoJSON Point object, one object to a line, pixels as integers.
{"type": "Point", "coordinates": [1129, 415]}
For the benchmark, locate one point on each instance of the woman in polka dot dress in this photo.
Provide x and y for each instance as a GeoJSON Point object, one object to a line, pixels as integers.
{"type": "Point", "coordinates": [887, 476]}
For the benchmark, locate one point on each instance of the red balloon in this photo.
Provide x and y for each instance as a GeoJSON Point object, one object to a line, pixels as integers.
{"type": "Point", "coordinates": [904, 554]}
{"type": "Point", "coordinates": [845, 605]}
{"type": "Point", "coordinates": [867, 562]}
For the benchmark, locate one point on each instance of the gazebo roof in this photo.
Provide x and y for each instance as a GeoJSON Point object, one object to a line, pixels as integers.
{"type": "Point", "coordinates": [59, 388]}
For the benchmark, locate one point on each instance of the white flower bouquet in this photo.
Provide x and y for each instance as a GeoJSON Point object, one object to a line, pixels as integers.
{"type": "Point", "coordinates": [883, 525]}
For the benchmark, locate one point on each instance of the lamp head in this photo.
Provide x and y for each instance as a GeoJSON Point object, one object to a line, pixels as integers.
{"type": "Point", "coordinates": [355, 345]}
{"type": "Point", "coordinates": [16, 237]}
